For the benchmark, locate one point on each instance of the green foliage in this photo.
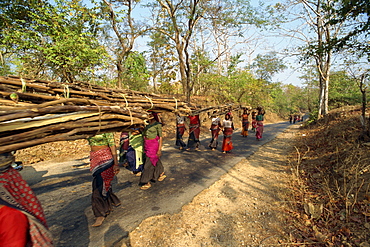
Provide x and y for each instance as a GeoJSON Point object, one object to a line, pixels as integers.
{"type": "Point", "coordinates": [266, 66]}
{"type": "Point", "coordinates": [344, 90]}
{"type": "Point", "coordinates": [353, 14]}
{"type": "Point", "coordinates": [136, 75]}
{"type": "Point", "coordinates": [55, 40]}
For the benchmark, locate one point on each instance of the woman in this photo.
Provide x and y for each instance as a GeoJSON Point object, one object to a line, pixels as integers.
{"type": "Point", "coordinates": [153, 168]}
{"type": "Point", "coordinates": [245, 122]}
{"type": "Point", "coordinates": [254, 122]}
{"type": "Point", "coordinates": [228, 127]}
{"type": "Point", "coordinates": [180, 130]}
{"type": "Point", "coordinates": [259, 119]}
{"type": "Point", "coordinates": [131, 150]}
{"type": "Point", "coordinates": [215, 130]}
{"type": "Point", "coordinates": [194, 132]}
{"type": "Point", "coordinates": [22, 219]}
{"type": "Point", "coordinates": [103, 166]}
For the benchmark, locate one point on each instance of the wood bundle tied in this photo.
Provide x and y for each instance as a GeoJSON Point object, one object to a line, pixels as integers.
{"type": "Point", "coordinates": [34, 112]}
{"type": "Point", "coordinates": [213, 111]}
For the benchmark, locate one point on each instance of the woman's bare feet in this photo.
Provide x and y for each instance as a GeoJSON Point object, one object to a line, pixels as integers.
{"type": "Point", "coordinates": [99, 221]}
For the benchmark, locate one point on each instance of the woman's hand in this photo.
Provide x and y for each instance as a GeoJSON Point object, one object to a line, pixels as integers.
{"type": "Point", "coordinates": [116, 169]}
{"type": "Point", "coordinates": [159, 153]}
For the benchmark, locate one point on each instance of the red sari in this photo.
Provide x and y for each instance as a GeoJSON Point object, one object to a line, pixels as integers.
{"type": "Point", "coordinates": [194, 132]}
{"type": "Point", "coordinates": [16, 193]}
{"type": "Point", "coordinates": [227, 144]}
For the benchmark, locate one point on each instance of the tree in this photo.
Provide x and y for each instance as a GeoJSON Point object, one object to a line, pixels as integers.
{"type": "Point", "coordinates": [355, 13]}
{"type": "Point", "coordinates": [315, 31]}
{"type": "Point", "coordinates": [136, 75]}
{"type": "Point", "coordinates": [343, 90]}
{"type": "Point", "coordinates": [266, 66]}
{"type": "Point", "coordinates": [178, 24]}
{"type": "Point", "coordinates": [125, 29]}
{"type": "Point", "coordinates": [162, 60]}
{"type": "Point", "coordinates": [52, 41]}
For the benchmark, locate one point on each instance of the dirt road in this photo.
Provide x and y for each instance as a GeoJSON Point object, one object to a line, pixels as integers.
{"type": "Point", "coordinates": [251, 184]}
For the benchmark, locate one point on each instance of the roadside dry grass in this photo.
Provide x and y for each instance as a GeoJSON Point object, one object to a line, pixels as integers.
{"type": "Point", "coordinates": [331, 182]}
{"type": "Point", "coordinates": [246, 207]}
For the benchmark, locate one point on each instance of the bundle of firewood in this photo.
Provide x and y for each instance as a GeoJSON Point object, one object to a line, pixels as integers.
{"type": "Point", "coordinates": [219, 110]}
{"type": "Point", "coordinates": [33, 112]}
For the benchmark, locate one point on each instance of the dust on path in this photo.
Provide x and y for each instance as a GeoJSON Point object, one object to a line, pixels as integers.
{"type": "Point", "coordinates": [245, 207]}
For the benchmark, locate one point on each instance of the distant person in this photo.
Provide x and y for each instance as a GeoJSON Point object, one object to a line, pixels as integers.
{"type": "Point", "coordinates": [254, 122]}
{"type": "Point", "coordinates": [295, 119]}
{"type": "Point", "coordinates": [215, 130]}
{"type": "Point", "coordinates": [260, 118]}
{"type": "Point", "coordinates": [290, 118]}
{"type": "Point", "coordinates": [103, 166]}
{"type": "Point", "coordinates": [194, 132]}
{"type": "Point", "coordinates": [228, 128]}
{"type": "Point", "coordinates": [153, 140]}
{"type": "Point", "coordinates": [180, 130]}
{"type": "Point", "coordinates": [132, 150]}
{"type": "Point", "coordinates": [245, 122]}
{"type": "Point", "coordinates": [22, 219]}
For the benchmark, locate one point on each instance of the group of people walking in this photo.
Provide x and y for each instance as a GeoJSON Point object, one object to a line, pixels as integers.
{"type": "Point", "coordinates": [226, 126]}
{"type": "Point", "coordinates": [140, 151]}
{"type": "Point", "coordinates": [295, 118]}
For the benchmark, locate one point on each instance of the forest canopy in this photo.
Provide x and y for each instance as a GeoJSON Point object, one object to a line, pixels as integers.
{"type": "Point", "coordinates": [228, 51]}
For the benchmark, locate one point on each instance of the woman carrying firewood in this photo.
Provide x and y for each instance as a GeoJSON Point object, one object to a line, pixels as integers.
{"type": "Point", "coordinates": [254, 122]}
{"type": "Point", "coordinates": [180, 130]}
{"type": "Point", "coordinates": [194, 132]}
{"type": "Point", "coordinates": [215, 130]}
{"type": "Point", "coordinates": [103, 166]}
{"type": "Point", "coordinates": [259, 119]}
{"type": "Point", "coordinates": [131, 150]}
{"type": "Point", "coordinates": [245, 122]}
{"type": "Point", "coordinates": [153, 168]}
{"type": "Point", "coordinates": [228, 127]}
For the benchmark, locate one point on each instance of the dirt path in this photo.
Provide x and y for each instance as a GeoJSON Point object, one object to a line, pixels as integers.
{"type": "Point", "coordinates": [244, 208]}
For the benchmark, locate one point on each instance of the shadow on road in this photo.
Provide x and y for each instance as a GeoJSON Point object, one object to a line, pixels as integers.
{"type": "Point", "coordinates": [66, 196]}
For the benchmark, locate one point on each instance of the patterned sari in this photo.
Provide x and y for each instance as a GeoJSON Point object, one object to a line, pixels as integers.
{"type": "Point", "coordinates": [215, 130]}
{"type": "Point", "coordinates": [245, 124]}
{"type": "Point", "coordinates": [101, 167]}
{"type": "Point", "coordinates": [17, 194]}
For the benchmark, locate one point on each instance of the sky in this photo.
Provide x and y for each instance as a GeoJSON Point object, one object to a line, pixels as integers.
{"type": "Point", "coordinates": [289, 76]}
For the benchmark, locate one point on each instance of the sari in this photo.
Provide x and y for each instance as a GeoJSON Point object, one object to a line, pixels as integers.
{"type": "Point", "coordinates": [194, 132]}
{"type": "Point", "coordinates": [17, 194]}
{"type": "Point", "coordinates": [153, 167]}
{"type": "Point", "coordinates": [215, 130]}
{"type": "Point", "coordinates": [180, 130]}
{"type": "Point", "coordinates": [254, 124]}
{"type": "Point", "coordinates": [123, 148]}
{"type": "Point", "coordinates": [135, 153]}
{"type": "Point", "coordinates": [245, 124]}
{"type": "Point", "coordinates": [227, 144]}
{"type": "Point", "coordinates": [259, 130]}
{"type": "Point", "coordinates": [101, 167]}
